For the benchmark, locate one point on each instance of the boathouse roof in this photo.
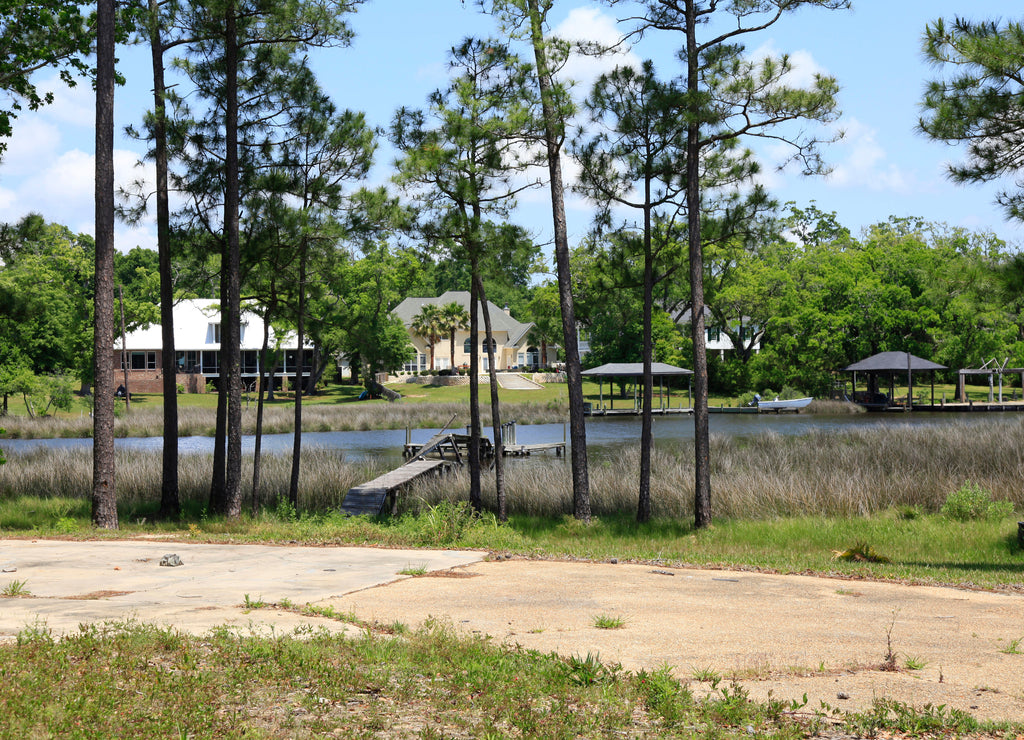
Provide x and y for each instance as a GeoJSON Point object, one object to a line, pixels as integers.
{"type": "Point", "coordinates": [636, 369]}
{"type": "Point", "coordinates": [891, 362]}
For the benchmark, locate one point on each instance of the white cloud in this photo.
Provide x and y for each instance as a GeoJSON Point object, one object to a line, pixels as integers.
{"type": "Point", "coordinates": [862, 162]}
{"type": "Point", "coordinates": [36, 140]}
{"type": "Point", "coordinates": [62, 191]}
{"type": "Point", "coordinates": [589, 24]}
{"type": "Point", "coordinates": [804, 66]}
{"type": "Point", "coordinates": [75, 106]}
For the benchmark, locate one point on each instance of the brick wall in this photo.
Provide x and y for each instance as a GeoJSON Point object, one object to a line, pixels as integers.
{"type": "Point", "coordinates": [151, 381]}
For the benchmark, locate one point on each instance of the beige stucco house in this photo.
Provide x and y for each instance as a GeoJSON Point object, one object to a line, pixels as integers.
{"type": "Point", "coordinates": [514, 345]}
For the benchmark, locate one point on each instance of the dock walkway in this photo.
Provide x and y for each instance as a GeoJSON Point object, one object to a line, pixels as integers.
{"type": "Point", "coordinates": [372, 497]}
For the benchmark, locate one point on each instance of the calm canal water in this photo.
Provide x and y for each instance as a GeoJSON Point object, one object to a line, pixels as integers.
{"type": "Point", "coordinates": [604, 434]}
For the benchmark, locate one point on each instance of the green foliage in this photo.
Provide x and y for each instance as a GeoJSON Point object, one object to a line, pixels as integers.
{"type": "Point", "coordinates": [15, 589]}
{"type": "Point", "coordinates": [590, 671]}
{"type": "Point", "coordinates": [36, 35]}
{"type": "Point", "coordinates": [608, 622]}
{"type": "Point", "coordinates": [927, 720]}
{"type": "Point", "coordinates": [447, 522]}
{"type": "Point", "coordinates": [665, 695]}
{"type": "Point", "coordinates": [979, 102]}
{"type": "Point", "coordinates": [971, 502]}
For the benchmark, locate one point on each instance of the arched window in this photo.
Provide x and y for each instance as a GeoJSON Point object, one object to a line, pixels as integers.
{"type": "Point", "coordinates": [467, 346]}
{"type": "Point", "coordinates": [483, 344]}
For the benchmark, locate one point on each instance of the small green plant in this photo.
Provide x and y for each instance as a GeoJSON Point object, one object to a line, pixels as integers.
{"type": "Point", "coordinates": [909, 512]}
{"type": "Point", "coordinates": [447, 522]}
{"type": "Point", "coordinates": [913, 663]}
{"type": "Point", "coordinates": [664, 694]}
{"type": "Point", "coordinates": [971, 502]}
{"type": "Point", "coordinates": [66, 525]}
{"type": "Point", "coordinates": [284, 511]}
{"type": "Point", "coordinates": [1013, 647]}
{"type": "Point", "coordinates": [608, 622]}
{"type": "Point", "coordinates": [250, 603]}
{"type": "Point", "coordinates": [16, 589]}
{"type": "Point", "coordinates": [590, 671]}
{"type": "Point", "coordinates": [862, 552]}
{"type": "Point", "coordinates": [706, 675]}
{"type": "Point", "coordinates": [413, 570]}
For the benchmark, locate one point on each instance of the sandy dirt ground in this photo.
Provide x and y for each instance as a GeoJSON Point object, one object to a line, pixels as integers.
{"type": "Point", "coordinates": [788, 635]}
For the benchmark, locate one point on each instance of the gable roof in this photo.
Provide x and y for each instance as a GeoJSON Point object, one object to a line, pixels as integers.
{"type": "Point", "coordinates": [635, 369]}
{"type": "Point", "coordinates": [500, 321]}
{"type": "Point", "coordinates": [891, 362]}
{"type": "Point", "coordinates": [192, 319]}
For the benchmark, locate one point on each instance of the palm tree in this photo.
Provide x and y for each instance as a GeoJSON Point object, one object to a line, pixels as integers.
{"type": "Point", "coordinates": [427, 324]}
{"type": "Point", "coordinates": [453, 318]}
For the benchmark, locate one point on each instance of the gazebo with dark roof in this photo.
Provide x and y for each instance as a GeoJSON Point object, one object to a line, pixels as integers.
{"type": "Point", "coordinates": [634, 370]}
{"type": "Point", "coordinates": [891, 364]}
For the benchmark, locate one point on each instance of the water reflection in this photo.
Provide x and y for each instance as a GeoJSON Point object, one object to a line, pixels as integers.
{"type": "Point", "coordinates": [605, 435]}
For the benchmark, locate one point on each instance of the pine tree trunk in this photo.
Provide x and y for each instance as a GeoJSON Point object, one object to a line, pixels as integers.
{"type": "Point", "coordinates": [475, 496]}
{"type": "Point", "coordinates": [701, 431]}
{"type": "Point", "coordinates": [643, 510]}
{"type": "Point", "coordinates": [104, 499]}
{"type": "Point", "coordinates": [492, 373]}
{"type": "Point", "coordinates": [573, 369]}
{"type": "Point", "coordinates": [170, 504]}
{"type": "Point", "coordinates": [293, 483]}
{"type": "Point", "coordinates": [231, 309]}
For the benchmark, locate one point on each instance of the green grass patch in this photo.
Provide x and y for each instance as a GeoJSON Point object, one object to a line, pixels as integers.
{"type": "Point", "coordinates": [608, 622]}
{"type": "Point", "coordinates": [133, 680]}
{"type": "Point", "coordinates": [931, 548]}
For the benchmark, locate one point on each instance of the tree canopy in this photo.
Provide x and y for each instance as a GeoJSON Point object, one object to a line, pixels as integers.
{"type": "Point", "coordinates": [980, 100]}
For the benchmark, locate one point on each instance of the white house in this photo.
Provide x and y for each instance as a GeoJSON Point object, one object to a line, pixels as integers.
{"type": "Point", "coordinates": [715, 338]}
{"type": "Point", "coordinates": [197, 332]}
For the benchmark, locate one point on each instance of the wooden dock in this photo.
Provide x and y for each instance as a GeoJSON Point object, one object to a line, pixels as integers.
{"type": "Point", "coordinates": [371, 498]}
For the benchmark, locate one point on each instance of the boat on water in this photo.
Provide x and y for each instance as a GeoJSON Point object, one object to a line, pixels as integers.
{"type": "Point", "coordinates": [790, 404]}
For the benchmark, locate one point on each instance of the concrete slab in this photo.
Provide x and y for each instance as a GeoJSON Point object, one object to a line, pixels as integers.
{"type": "Point", "coordinates": [71, 583]}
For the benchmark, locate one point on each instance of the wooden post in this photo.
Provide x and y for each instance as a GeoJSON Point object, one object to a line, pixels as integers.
{"type": "Point", "coordinates": [124, 355]}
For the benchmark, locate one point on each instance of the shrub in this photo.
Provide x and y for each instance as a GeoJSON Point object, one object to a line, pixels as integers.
{"type": "Point", "coordinates": [447, 522]}
{"type": "Point", "coordinates": [971, 501]}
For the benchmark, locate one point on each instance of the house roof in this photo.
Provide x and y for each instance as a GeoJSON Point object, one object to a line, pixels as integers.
{"type": "Point", "coordinates": [635, 369]}
{"type": "Point", "coordinates": [192, 320]}
{"type": "Point", "coordinates": [500, 321]}
{"type": "Point", "coordinates": [891, 362]}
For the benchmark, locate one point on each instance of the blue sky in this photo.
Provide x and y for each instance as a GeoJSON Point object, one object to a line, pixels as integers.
{"type": "Point", "coordinates": [882, 167]}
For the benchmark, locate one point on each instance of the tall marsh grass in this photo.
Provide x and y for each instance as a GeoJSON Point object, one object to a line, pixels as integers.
{"type": "Point", "coordinates": [192, 421]}
{"type": "Point", "coordinates": [848, 473]}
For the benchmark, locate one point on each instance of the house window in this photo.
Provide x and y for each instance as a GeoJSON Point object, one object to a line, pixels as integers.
{"type": "Point", "coordinates": [532, 357]}
{"type": "Point", "coordinates": [211, 363]}
{"type": "Point", "coordinates": [250, 362]}
{"type": "Point", "coordinates": [188, 361]}
{"type": "Point", "coordinates": [467, 346]}
{"type": "Point", "coordinates": [213, 333]}
{"type": "Point", "coordinates": [714, 333]}
{"type": "Point", "coordinates": [141, 361]}
{"type": "Point", "coordinates": [521, 359]}
{"type": "Point", "coordinates": [418, 362]}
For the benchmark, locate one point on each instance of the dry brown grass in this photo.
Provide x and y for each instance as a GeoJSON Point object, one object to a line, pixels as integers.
{"type": "Point", "coordinates": [848, 473]}
{"type": "Point", "coordinates": [194, 421]}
